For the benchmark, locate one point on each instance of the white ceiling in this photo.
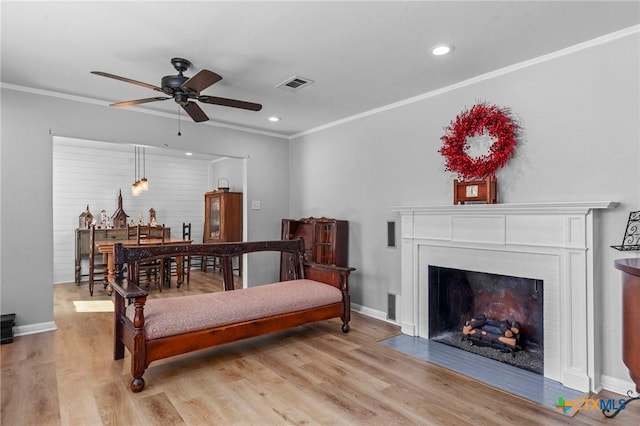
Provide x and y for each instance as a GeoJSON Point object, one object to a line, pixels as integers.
{"type": "Point", "coordinates": [362, 55]}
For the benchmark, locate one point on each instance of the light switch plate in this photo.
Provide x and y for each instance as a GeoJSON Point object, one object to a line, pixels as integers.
{"type": "Point", "coordinates": [255, 205]}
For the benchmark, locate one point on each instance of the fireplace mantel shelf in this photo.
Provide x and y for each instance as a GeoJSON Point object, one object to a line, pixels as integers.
{"type": "Point", "coordinates": [547, 207]}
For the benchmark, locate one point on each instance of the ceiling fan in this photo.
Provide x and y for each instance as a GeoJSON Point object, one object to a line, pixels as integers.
{"type": "Point", "coordinates": [182, 89]}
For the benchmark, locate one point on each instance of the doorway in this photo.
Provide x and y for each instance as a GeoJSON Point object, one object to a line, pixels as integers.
{"type": "Point", "coordinates": [95, 174]}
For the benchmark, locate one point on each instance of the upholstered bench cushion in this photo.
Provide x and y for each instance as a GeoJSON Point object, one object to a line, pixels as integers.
{"type": "Point", "coordinates": [179, 315]}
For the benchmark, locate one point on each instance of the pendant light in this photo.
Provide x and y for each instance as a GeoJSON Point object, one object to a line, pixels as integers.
{"type": "Point", "coordinates": [139, 185]}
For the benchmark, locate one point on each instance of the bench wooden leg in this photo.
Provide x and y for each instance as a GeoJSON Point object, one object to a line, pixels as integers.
{"type": "Point", "coordinates": [346, 312]}
{"type": "Point", "coordinates": [139, 352]}
{"type": "Point", "coordinates": [118, 348]}
{"type": "Point", "coordinates": [137, 384]}
{"type": "Point", "coordinates": [118, 312]}
{"type": "Point", "coordinates": [138, 363]}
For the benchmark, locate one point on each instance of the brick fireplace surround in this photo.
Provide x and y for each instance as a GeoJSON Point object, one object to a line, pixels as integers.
{"type": "Point", "coordinates": [553, 242]}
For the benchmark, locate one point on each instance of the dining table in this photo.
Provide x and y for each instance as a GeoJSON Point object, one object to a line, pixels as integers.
{"type": "Point", "coordinates": [106, 247]}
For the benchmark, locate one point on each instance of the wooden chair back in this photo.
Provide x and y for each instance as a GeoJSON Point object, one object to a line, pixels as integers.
{"type": "Point", "coordinates": [97, 266]}
{"type": "Point", "coordinates": [154, 270]}
{"type": "Point", "coordinates": [146, 232]}
{"type": "Point", "coordinates": [186, 260]}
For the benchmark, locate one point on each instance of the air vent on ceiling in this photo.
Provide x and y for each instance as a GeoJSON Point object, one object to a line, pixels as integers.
{"type": "Point", "coordinates": [294, 83]}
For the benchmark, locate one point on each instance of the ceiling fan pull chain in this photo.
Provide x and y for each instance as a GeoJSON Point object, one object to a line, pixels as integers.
{"type": "Point", "coordinates": [179, 134]}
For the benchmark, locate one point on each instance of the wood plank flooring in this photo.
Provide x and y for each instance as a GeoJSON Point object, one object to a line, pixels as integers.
{"type": "Point", "coordinates": [312, 375]}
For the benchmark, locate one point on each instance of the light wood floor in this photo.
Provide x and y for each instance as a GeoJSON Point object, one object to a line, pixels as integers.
{"type": "Point", "coordinates": [310, 375]}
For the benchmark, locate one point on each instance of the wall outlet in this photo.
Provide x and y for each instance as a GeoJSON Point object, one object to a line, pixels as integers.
{"type": "Point", "coordinates": [255, 205]}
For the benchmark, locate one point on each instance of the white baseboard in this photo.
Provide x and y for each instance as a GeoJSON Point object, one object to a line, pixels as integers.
{"type": "Point", "coordinates": [373, 313]}
{"type": "Point", "coordinates": [23, 330]}
{"type": "Point", "coordinates": [616, 385]}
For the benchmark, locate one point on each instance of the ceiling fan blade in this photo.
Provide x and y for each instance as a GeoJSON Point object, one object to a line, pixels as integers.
{"type": "Point", "coordinates": [128, 80]}
{"type": "Point", "coordinates": [201, 81]}
{"type": "Point", "coordinates": [195, 112]}
{"type": "Point", "coordinates": [230, 103]}
{"type": "Point", "coordinates": [137, 102]}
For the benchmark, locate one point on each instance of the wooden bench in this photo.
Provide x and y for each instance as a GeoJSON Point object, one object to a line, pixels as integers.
{"type": "Point", "coordinates": [160, 328]}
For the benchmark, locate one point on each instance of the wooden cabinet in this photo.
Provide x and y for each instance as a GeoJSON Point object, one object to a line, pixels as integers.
{"type": "Point", "coordinates": [631, 316]}
{"type": "Point", "coordinates": [326, 242]}
{"type": "Point", "coordinates": [222, 217]}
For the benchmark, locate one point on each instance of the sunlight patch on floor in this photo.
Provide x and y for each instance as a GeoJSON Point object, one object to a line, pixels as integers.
{"type": "Point", "coordinates": [93, 305]}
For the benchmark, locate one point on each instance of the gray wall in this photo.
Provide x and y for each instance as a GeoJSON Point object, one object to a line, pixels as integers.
{"type": "Point", "coordinates": [580, 112]}
{"type": "Point", "coordinates": [230, 169]}
{"type": "Point", "coordinates": [26, 238]}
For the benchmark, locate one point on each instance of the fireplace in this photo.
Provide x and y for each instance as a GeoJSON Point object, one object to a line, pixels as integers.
{"type": "Point", "coordinates": [492, 315]}
{"type": "Point", "coordinates": [551, 243]}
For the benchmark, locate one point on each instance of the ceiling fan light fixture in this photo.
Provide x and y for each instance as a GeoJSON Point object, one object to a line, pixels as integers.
{"type": "Point", "coordinates": [442, 49]}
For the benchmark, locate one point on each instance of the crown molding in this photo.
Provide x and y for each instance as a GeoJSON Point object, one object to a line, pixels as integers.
{"type": "Point", "coordinates": [137, 109]}
{"type": "Point", "coordinates": [465, 83]}
{"type": "Point", "coordinates": [482, 77]}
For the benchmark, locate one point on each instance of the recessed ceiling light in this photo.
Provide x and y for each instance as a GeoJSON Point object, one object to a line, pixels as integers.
{"type": "Point", "coordinates": [274, 119]}
{"type": "Point", "coordinates": [441, 49]}
{"type": "Point", "coordinates": [188, 153]}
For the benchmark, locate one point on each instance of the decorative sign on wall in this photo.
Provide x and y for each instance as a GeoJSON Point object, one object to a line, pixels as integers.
{"type": "Point", "coordinates": [476, 144]}
{"type": "Point", "coordinates": [631, 239]}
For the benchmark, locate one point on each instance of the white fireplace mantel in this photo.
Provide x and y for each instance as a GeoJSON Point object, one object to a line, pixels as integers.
{"type": "Point", "coordinates": [549, 241]}
{"type": "Point", "coordinates": [541, 208]}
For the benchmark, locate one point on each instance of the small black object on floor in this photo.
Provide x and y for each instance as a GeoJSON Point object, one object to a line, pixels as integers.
{"type": "Point", "coordinates": [8, 321]}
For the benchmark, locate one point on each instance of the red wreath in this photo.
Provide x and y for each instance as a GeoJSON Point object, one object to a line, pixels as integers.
{"type": "Point", "coordinates": [481, 118]}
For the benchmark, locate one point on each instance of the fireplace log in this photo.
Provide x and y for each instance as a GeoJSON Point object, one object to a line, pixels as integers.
{"type": "Point", "coordinates": [495, 338]}
{"type": "Point", "coordinates": [478, 321]}
{"type": "Point", "coordinates": [491, 337]}
{"type": "Point", "coordinates": [500, 333]}
{"type": "Point", "coordinates": [467, 329]}
{"type": "Point", "coordinates": [515, 327]}
{"type": "Point", "coordinates": [502, 326]}
{"type": "Point", "coordinates": [493, 329]}
{"type": "Point", "coordinates": [511, 341]}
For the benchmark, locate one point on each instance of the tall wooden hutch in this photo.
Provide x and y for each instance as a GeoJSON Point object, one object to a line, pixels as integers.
{"type": "Point", "coordinates": [326, 242]}
{"type": "Point", "coordinates": [222, 216]}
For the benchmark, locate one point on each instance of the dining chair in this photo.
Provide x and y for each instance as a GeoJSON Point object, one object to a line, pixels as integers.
{"type": "Point", "coordinates": [150, 232]}
{"type": "Point", "coordinates": [154, 270]}
{"type": "Point", "coordinates": [186, 260]}
{"type": "Point", "coordinates": [215, 264]}
{"type": "Point", "coordinates": [209, 261]}
{"type": "Point", "coordinates": [98, 268]}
